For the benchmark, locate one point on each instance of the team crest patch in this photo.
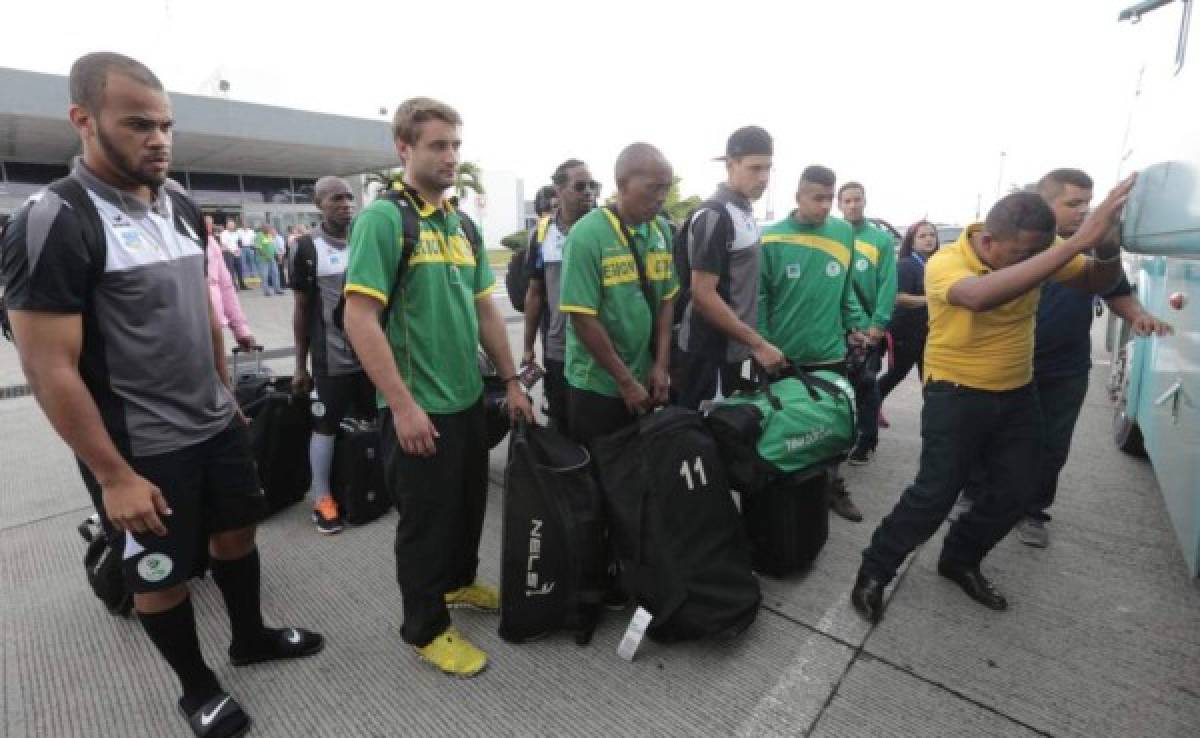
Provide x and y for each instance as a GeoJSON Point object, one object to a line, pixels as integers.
{"type": "Point", "coordinates": [861, 265]}
{"type": "Point", "coordinates": [833, 269]}
{"type": "Point", "coordinates": [130, 238]}
{"type": "Point", "coordinates": [793, 271]}
{"type": "Point", "coordinates": [155, 567]}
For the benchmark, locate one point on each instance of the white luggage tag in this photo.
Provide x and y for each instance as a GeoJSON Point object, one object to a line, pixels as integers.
{"type": "Point", "coordinates": [628, 646]}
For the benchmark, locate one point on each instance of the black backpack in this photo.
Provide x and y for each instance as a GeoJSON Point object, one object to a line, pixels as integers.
{"type": "Point", "coordinates": [552, 562]}
{"type": "Point", "coordinates": [683, 264]}
{"type": "Point", "coordinates": [410, 224]}
{"type": "Point", "coordinates": [516, 279]}
{"type": "Point", "coordinates": [682, 549]}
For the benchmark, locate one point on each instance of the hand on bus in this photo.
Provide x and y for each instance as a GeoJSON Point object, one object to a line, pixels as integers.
{"type": "Point", "coordinates": [1101, 223]}
{"type": "Point", "coordinates": [1148, 325]}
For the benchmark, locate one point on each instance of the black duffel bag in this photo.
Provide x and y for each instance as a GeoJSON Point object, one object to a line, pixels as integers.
{"type": "Point", "coordinates": [552, 571]}
{"type": "Point", "coordinates": [102, 564]}
{"type": "Point", "coordinates": [679, 540]}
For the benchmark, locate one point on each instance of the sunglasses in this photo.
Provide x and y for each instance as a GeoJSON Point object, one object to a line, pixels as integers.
{"type": "Point", "coordinates": [594, 186]}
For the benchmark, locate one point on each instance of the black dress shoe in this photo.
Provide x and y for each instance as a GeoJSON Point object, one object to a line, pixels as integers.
{"type": "Point", "coordinates": [975, 584]}
{"type": "Point", "coordinates": [867, 597]}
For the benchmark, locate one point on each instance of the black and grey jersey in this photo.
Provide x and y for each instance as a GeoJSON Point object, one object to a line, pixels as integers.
{"type": "Point", "coordinates": [140, 286]}
{"type": "Point", "coordinates": [733, 255]}
{"type": "Point", "coordinates": [319, 272]}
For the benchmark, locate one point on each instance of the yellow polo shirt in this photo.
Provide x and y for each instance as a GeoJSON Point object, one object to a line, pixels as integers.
{"type": "Point", "coordinates": [991, 350]}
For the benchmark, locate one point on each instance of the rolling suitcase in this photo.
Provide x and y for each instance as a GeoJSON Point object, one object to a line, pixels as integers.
{"type": "Point", "coordinates": [358, 486]}
{"type": "Point", "coordinates": [787, 521]}
{"type": "Point", "coordinates": [280, 427]}
{"type": "Point", "coordinates": [552, 570]}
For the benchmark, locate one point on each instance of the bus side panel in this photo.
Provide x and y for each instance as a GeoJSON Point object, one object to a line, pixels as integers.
{"type": "Point", "coordinates": [1168, 403]}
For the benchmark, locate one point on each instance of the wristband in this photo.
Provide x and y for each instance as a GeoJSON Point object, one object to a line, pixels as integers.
{"type": "Point", "coordinates": [1107, 259]}
{"type": "Point", "coordinates": [513, 378]}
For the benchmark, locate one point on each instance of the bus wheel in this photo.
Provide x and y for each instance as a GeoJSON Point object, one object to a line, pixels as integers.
{"type": "Point", "coordinates": [1126, 433]}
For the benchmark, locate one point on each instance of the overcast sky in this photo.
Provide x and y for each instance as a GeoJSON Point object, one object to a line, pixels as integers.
{"type": "Point", "coordinates": [915, 99]}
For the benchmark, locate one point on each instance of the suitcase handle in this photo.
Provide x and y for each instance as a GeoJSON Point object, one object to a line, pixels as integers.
{"type": "Point", "coordinates": [256, 349]}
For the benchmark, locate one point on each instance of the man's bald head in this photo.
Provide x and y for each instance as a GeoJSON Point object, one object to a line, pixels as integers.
{"type": "Point", "coordinates": [639, 158]}
{"type": "Point", "coordinates": [643, 181]}
{"type": "Point", "coordinates": [335, 200]}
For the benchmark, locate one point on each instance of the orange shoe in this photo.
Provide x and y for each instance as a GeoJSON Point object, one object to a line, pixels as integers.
{"type": "Point", "coordinates": [325, 516]}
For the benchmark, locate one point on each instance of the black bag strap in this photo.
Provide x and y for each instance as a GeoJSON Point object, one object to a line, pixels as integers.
{"type": "Point", "coordinates": [763, 379]}
{"type": "Point", "coordinates": [75, 194]}
{"type": "Point", "coordinates": [836, 391]}
{"type": "Point", "coordinates": [188, 215]}
{"type": "Point", "coordinates": [410, 225]}
{"type": "Point", "coordinates": [626, 235]}
{"type": "Point", "coordinates": [305, 249]}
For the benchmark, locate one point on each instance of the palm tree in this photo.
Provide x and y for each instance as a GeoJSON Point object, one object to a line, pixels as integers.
{"type": "Point", "coordinates": [384, 177]}
{"type": "Point", "coordinates": [469, 177]}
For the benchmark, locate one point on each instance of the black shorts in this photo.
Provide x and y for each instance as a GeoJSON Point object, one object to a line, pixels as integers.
{"type": "Point", "coordinates": [343, 395]}
{"type": "Point", "coordinates": [211, 487]}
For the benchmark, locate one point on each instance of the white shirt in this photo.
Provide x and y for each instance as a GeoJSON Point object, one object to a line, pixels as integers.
{"type": "Point", "coordinates": [229, 241]}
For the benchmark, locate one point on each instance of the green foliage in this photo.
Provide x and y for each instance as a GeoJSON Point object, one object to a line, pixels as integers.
{"type": "Point", "coordinates": [469, 177]}
{"type": "Point", "coordinates": [515, 241]}
{"type": "Point", "coordinates": [385, 177]}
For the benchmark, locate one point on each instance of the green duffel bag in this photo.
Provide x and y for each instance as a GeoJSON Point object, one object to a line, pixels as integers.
{"type": "Point", "coordinates": [784, 426]}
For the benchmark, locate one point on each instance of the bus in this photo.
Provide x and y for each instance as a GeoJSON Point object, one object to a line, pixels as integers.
{"type": "Point", "coordinates": [1155, 381]}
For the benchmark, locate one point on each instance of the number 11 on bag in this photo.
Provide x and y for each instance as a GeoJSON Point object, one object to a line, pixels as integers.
{"type": "Point", "coordinates": [685, 471]}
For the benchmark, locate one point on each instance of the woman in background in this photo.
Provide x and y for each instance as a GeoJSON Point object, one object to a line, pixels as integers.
{"type": "Point", "coordinates": [910, 320]}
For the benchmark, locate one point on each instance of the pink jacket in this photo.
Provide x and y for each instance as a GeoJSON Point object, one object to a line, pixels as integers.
{"type": "Point", "coordinates": [224, 296]}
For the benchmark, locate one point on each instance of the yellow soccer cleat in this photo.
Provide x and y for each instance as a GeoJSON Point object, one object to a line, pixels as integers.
{"type": "Point", "coordinates": [476, 596]}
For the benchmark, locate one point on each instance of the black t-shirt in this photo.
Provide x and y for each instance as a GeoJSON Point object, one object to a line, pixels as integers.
{"type": "Point", "coordinates": [910, 279]}
{"type": "Point", "coordinates": [1063, 346]}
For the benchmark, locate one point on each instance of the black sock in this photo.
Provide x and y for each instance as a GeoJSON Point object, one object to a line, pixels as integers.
{"type": "Point", "coordinates": [238, 581]}
{"type": "Point", "coordinates": [174, 634]}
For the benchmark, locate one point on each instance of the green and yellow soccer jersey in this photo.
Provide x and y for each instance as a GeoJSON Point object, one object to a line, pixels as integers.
{"type": "Point", "coordinates": [433, 328]}
{"type": "Point", "coordinates": [805, 301]}
{"type": "Point", "coordinates": [874, 274]}
{"type": "Point", "coordinates": [600, 278]}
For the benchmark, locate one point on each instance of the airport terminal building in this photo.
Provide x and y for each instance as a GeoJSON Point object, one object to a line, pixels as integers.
{"type": "Point", "coordinates": [255, 163]}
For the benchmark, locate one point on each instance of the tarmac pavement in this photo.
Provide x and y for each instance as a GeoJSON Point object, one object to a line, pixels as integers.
{"type": "Point", "coordinates": [1102, 637]}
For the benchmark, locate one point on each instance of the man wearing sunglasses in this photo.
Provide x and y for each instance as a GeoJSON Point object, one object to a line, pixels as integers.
{"type": "Point", "coordinates": [576, 193]}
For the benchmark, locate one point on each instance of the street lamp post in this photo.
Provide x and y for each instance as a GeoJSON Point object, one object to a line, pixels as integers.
{"type": "Point", "coordinates": [1000, 176]}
